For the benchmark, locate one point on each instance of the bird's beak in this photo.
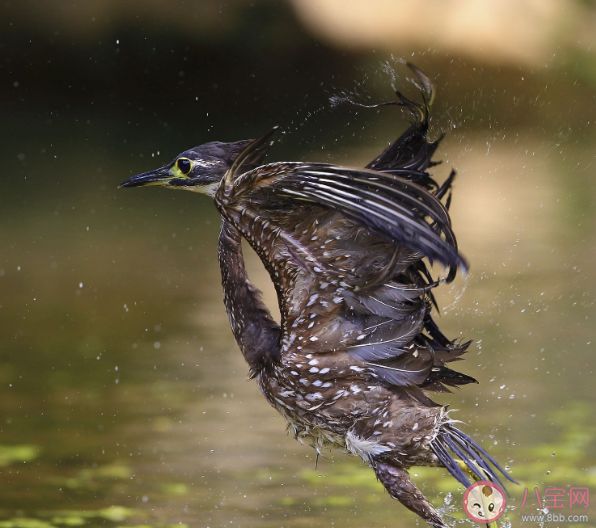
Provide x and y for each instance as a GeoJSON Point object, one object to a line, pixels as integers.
{"type": "Point", "coordinates": [160, 176]}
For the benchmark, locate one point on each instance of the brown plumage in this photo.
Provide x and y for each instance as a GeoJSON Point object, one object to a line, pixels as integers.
{"type": "Point", "coordinates": [357, 349]}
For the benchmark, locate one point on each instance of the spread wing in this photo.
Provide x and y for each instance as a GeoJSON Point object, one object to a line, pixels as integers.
{"type": "Point", "coordinates": [344, 247]}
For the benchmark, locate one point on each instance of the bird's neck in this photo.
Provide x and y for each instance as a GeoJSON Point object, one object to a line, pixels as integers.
{"type": "Point", "coordinates": [256, 333]}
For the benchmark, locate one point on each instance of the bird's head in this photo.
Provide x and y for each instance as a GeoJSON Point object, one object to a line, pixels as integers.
{"type": "Point", "coordinates": [199, 169]}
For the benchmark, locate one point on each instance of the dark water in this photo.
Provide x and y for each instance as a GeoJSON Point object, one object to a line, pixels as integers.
{"type": "Point", "coordinates": [124, 399]}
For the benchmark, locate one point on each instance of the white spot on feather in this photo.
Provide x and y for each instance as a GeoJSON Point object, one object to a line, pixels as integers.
{"type": "Point", "coordinates": [314, 397]}
{"type": "Point", "coordinates": [365, 449]}
{"type": "Point", "coordinates": [313, 299]}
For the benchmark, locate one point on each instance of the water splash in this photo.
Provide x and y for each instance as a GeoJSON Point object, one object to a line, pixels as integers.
{"type": "Point", "coordinates": [362, 94]}
{"type": "Point", "coordinates": [389, 68]}
{"type": "Point", "coordinates": [454, 293]}
{"type": "Point", "coordinates": [447, 509]}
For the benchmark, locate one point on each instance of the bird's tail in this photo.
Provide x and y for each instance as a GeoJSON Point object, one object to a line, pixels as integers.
{"type": "Point", "coordinates": [452, 444]}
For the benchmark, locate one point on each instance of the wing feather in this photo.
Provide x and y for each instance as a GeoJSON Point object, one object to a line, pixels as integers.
{"type": "Point", "coordinates": [394, 208]}
{"type": "Point", "coordinates": [407, 369]}
{"type": "Point", "coordinates": [361, 265]}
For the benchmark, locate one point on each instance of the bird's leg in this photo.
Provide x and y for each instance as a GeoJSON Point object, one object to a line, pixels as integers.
{"type": "Point", "coordinates": [397, 482]}
{"type": "Point", "coordinates": [466, 469]}
{"type": "Point", "coordinates": [474, 477]}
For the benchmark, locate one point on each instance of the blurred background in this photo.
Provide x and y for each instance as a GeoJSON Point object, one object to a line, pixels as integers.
{"type": "Point", "coordinates": [123, 397]}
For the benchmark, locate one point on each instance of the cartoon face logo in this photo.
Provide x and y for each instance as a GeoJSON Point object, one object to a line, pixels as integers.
{"type": "Point", "coordinates": [484, 502]}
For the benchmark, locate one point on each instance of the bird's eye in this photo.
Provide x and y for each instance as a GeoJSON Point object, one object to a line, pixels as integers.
{"type": "Point", "coordinates": [491, 507]}
{"type": "Point", "coordinates": [183, 165]}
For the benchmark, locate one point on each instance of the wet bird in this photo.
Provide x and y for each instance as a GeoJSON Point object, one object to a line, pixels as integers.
{"type": "Point", "coordinates": [357, 351]}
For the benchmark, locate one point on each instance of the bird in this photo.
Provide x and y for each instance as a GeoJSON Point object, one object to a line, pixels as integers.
{"type": "Point", "coordinates": [357, 352]}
